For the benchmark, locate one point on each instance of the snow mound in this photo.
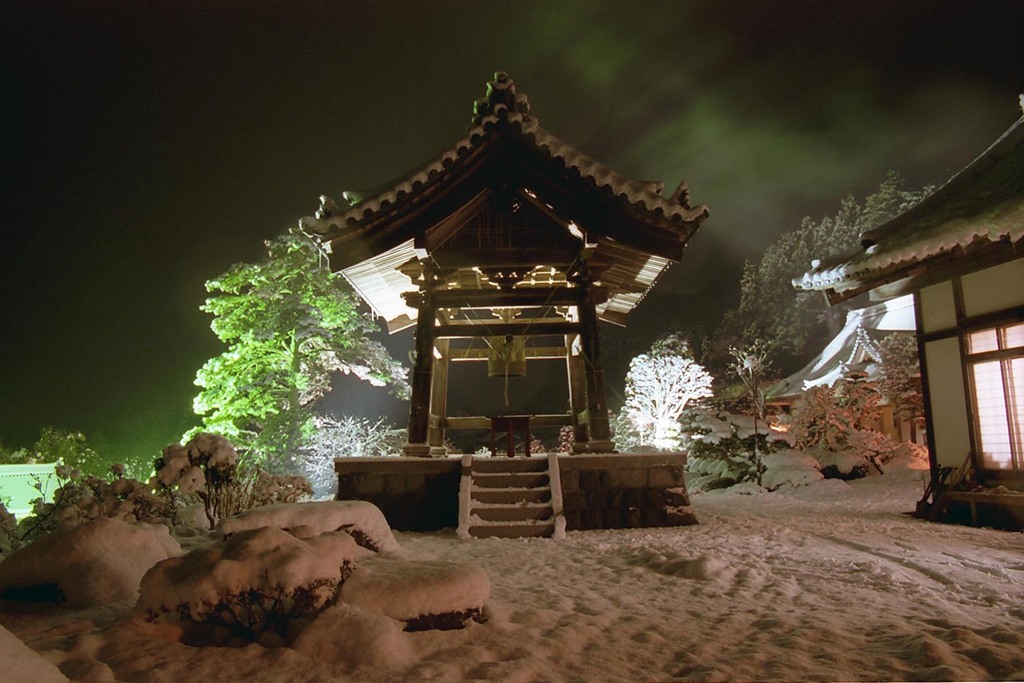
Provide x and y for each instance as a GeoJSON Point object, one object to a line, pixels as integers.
{"type": "Point", "coordinates": [363, 520]}
{"type": "Point", "coordinates": [789, 468]}
{"type": "Point", "coordinates": [352, 638]}
{"type": "Point", "coordinates": [412, 591]}
{"type": "Point", "coordinates": [22, 663]}
{"type": "Point", "coordinates": [700, 568]}
{"type": "Point", "coordinates": [256, 579]}
{"type": "Point", "coordinates": [843, 464]}
{"type": "Point", "coordinates": [98, 562]}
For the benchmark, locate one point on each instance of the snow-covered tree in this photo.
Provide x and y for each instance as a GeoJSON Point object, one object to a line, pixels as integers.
{"type": "Point", "coordinates": [795, 321]}
{"type": "Point", "coordinates": [658, 389]}
{"type": "Point", "coordinates": [900, 382]}
{"type": "Point", "coordinates": [290, 325]}
{"type": "Point", "coordinates": [751, 364]}
{"type": "Point", "coordinates": [345, 438]}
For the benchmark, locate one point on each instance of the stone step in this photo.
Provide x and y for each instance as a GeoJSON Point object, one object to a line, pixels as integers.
{"type": "Point", "coordinates": [511, 495]}
{"type": "Point", "coordinates": [542, 529]}
{"type": "Point", "coordinates": [501, 464]}
{"type": "Point", "coordinates": [504, 480]}
{"type": "Point", "coordinates": [512, 513]}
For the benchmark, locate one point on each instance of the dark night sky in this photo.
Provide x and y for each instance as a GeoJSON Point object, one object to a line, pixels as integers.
{"type": "Point", "coordinates": [150, 145]}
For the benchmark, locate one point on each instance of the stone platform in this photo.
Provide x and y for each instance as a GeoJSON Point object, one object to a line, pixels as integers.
{"type": "Point", "coordinates": [599, 491]}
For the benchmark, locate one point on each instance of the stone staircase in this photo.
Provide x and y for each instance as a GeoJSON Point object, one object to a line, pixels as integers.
{"type": "Point", "coordinates": [510, 498]}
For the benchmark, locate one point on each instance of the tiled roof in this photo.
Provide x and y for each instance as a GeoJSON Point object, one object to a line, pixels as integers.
{"type": "Point", "coordinates": [854, 347]}
{"type": "Point", "coordinates": [980, 207]}
{"type": "Point", "coordinates": [505, 105]}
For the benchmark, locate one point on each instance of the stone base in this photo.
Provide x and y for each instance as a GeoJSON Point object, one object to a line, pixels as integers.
{"type": "Point", "coordinates": [599, 491]}
{"type": "Point", "coordinates": [594, 446]}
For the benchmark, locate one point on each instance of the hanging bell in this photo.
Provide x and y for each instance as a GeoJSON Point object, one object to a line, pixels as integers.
{"type": "Point", "coordinates": [506, 357]}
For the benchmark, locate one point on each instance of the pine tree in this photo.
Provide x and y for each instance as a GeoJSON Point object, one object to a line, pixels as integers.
{"type": "Point", "coordinates": [796, 323]}
{"type": "Point", "coordinates": [290, 324]}
{"type": "Point", "coordinates": [900, 382]}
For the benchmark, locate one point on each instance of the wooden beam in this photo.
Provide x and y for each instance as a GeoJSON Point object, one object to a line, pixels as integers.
{"type": "Point", "coordinates": [522, 296]}
{"type": "Point", "coordinates": [532, 353]}
{"type": "Point", "coordinates": [464, 423]}
{"type": "Point", "coordinates": [439, 395]}
{"type": "Point", "coordinates": [498, 329]}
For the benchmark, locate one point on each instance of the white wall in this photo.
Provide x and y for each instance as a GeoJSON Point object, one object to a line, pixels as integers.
{"type": "Point", "coordinates": [949, 408]}
{"type": "Point", "coordinates": [994, 289]}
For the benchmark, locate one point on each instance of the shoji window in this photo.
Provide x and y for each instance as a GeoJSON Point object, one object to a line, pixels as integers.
{"type": "Point", "coordinates": [995, 361]}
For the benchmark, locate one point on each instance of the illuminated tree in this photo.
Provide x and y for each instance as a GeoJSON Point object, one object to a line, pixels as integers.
{"type": "Point", "coordinates": [290, 325]}
{"type": "Point", "coordinates": [69, 447]}
{"type": "Point", "coordinates": [659, 386]}
{"type": "Point", "coordinates": [346, 438]}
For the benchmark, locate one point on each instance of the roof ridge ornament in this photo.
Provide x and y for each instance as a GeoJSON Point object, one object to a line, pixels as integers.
{"type": "Point", "coordinates": [502, 98]}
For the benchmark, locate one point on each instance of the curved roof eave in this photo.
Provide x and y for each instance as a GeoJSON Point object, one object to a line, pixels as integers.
{"type": "Point", "coordinates": [507, 113]}
{"type": "Point", "coordinates": [979, 208]}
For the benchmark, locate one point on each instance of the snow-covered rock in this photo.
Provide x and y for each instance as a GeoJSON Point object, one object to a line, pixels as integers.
{"type": "Point", "coordinates": [789, 468]}
{"type": "Point", "coordinates": [363, 520]}
{"type": "Point", "coordinates": [92, 564]}
{"type": "Point", "coordinates": [22, 663]}
{"type": "Point", "coordinates": [256, 579]}
{"type": "Point", "coordinates": [414, 592]}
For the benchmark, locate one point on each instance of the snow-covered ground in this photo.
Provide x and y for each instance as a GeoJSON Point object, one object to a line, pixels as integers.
{"type": "Point", "coordinates": [830, 581]}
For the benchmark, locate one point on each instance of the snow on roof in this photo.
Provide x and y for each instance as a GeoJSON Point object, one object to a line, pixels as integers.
{"type": "Point", "coordinates": [505, 105]}
{"type": "Point", "coordinates": [982, 206]}
{"type": "Point", "coordinates": [853, 348]}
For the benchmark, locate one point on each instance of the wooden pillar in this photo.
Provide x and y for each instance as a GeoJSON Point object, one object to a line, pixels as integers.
{"type": "Point", "coordinates": [422, 371]}
{"type": "Point", "coordinates": [574, 368]}
{"type": "Point", "coordinates": [439, 398]}
{"type": "Point", "coordinates": [598, 430]}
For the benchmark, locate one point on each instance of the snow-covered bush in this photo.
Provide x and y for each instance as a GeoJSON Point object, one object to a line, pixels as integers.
{"type": "Point", "coordinates": [80, 499]}
{"type": "Point", "coordinates": [830, 423]}
{"type": "Point", "coordinates": [90, 564]}
{"type": "Point", "coordinates": [362, 520]}
{"type": "Point", "coordinates": [423, 595]}
{"type": "Point", "coordinates": [255, 581]}
{"type": "Point", "coordinates": [567, 439]}
{"type": "Point", "coordinates": [790, 468]}
{"type": "Point", "coordinates": [206, 469]}
{"type": "Point", "coordinates": [721, 449]}
{"type": "Point", "coordinates": [727, 461]}
{"type": "Point", "coordinates": [8, 530]}
{"type": "Point", "coordinates": [345, 438]}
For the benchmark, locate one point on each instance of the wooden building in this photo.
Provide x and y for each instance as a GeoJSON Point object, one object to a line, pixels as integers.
{"type": "Point", "coordinates": [961, 253]}
{"type": "Point", "coordinates": [508, 247]}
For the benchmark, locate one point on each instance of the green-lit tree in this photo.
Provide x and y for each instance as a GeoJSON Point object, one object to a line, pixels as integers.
{"type": "Point", "coordinates": [290, 324]}
{"type": "Point", "coordinates": [69, 447]}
